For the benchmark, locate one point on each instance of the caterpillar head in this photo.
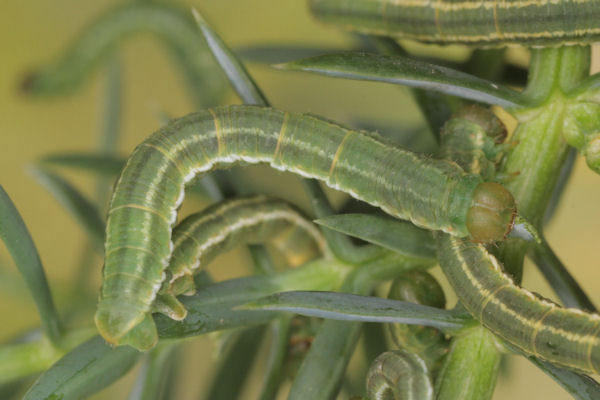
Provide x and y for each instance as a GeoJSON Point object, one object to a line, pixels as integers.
{"type": "Point", "coordinates": [492, 213]}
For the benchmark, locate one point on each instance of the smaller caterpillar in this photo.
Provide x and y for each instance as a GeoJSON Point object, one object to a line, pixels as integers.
{"type": "Point", "coordinates": [429, 343]}
{"type": "Point", "coordinates": [200, 237]}
{"type": "Point", "coordinates": [399, 374]}
{"type": "Point", "coordinates": [472, 138]}
{"type": "Point", "coordinates": [169, 23]}
{"type": "Point", "coordinates": [487, 22]}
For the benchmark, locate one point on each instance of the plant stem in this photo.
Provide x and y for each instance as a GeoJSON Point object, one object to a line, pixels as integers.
{"type": "Point", "coordinates": [541, 149]}
{"type": "Point", "coordinates": [471, 368]}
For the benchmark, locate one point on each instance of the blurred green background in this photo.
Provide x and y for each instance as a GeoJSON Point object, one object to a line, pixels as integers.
{"type": "Point", "coordinates": [34, 33]}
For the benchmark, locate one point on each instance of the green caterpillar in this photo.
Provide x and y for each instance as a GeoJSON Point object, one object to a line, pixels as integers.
{"type": "Point", "coordinates": [171, 24]}
{"type": "Point", "coordinates": [200, 237]}
{"type": "Point", "coordinates": [434, 194]}
{"type": "Point", "coordinates": [472, 138]}
{"type": "Point", "coordinates": [477, 22]}
{"type": "Point", "coordinates": [399, 374]}
{"type": "Point", "coordinates": [429, 343]}
{"type": "Point", "coordinates": [567, 337]}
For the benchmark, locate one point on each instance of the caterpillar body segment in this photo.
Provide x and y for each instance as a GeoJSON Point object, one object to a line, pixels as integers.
{"type": "Point", "coordinates": [566, 337]}
{"type": "Point", "coordinates": [202, 236]}
{"type": "Point", "coordinates": [174, 26]}
{"type": "Point", "coordinates": [399, 374]}
{"type": "Point", "coordinates": [429, 343]}
{"type": "Point", "coordinates": [434, 194]}
{"type": "Point", "coordinates": [477, 22]}
{"type": "Point", "coordinates": [472, 139]}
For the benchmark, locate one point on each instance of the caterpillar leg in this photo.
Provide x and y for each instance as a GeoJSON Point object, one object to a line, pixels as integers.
{"type": "Point", "coordinates": [183, 284]}
{"type": "Point", "coordinates": [143, 336]}
{"type": "Point", "coordinates": [168, 305]}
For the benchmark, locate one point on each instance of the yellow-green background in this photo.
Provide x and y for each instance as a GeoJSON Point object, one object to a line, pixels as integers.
{"type": "Point", "coordinates": [33, 33]}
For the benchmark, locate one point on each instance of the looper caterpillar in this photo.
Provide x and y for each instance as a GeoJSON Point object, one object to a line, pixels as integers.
{"type": "Point", "coordinates": [172, 25]}
{"type": "Point", "coordinates": [567, 337]}
{"type": "Point", "coordinates": [200, 237]}
{"type": "Point", "coordinates": [399, 374]}
{"type": "Point", "coordinates": [429, 343]}
{"type": "Point", "coordinates": [487, 22]}
{"type": "Point", "coordinates": [472, 138]}
{"type": "Point", "coordinates": [434, 194]}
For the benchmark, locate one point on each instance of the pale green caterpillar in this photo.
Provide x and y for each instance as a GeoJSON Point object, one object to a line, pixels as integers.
{"type": "Point", "coordinates": [399, 374]}
{"type": "Point", "coordinates": [567, 337]}
{"type": "Point", "coordinates": [434, 194]}
{"type": "Point", "coordinates": [200, 237]}
{"type": "Point", "coordinates": [472, 138]}
{"type": "Point", "coordinates": [174, 26]}
{"type": "Point", "coordinates": [429, 343]}
{"type": "Point", "coordinates": [480, 22]}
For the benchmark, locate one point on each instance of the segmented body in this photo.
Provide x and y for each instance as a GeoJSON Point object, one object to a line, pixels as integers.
{"type": "Point", "coordinates": [481, 22]}
{"type": "Point", "coordinates": [399, 374]}
{"type": "Point", "coordinates": [200, 237]}
{"type": "Point", "coordinates": [471, 138]}
{"type": "Point", "coordinates": [567, 337]}
{"type": "Point", "coordinates": [174, 26]}
{"type": "Point", "coordinates": [434, 194]}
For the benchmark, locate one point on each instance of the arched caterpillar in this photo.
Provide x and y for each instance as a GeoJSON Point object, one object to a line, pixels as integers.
{"type": "Point", "coordinates": [567, 337]}
{"type": "Point", "coordinates": [481, 22]}
{"type": "Point", "coordinates": [201, 236]}
{"type": "Point", "coordinates": [434, 194]}
{"type": "Point", "coordinates": [399, 374]}
{"type": "Point", "coordinates": [171, 24]}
